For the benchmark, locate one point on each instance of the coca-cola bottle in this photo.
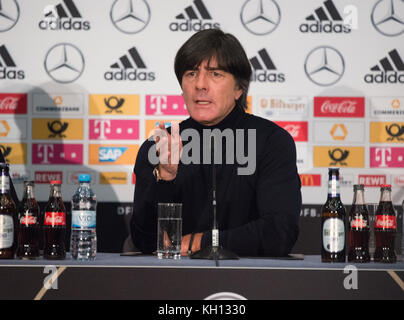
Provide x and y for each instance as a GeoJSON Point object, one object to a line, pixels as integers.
{"type": "Point", "coordinates": [8, 212]}
{"type": "Point", "coordinates": [385, 227]}
{"type": "Point", "coordinates": [54, 225]}
{"type": "Point", "coordinates": [333, 222]}
{"type": "Point", "coordinates": [28, 224]}
{"type": "Point", "coordinates": [358, 227]}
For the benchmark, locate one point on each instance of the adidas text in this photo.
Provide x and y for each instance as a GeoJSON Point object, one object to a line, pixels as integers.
{"type": "Point", "coordinates": [11, 74]}
{"type": "Point", "coordinates": [384, 77]}
{"type": "Point", "coordinates": [193, 26]}
{"type": "Point", "coordinates": [265, 76]}
{"type": "Point", "coordinates": [131, 75]}
{"type": "Point", "coordinates": [328, 27]}
{"type": "Point", "coordinates": [64, 24]}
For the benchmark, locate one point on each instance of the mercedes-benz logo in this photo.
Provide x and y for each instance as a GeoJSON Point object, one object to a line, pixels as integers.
{"type": "Point", "coordinates": [260, 17]}
{"type": "Point", "coordinates": [64, 63]}
{"type": "Point", "coordinates": [9, 14]}
{"type": "Point", "coordinates": [324, 65]}
{"type": "Point", "coordinates": [388, 17]}
{"type": "Point", "coordinates": [130, 16]}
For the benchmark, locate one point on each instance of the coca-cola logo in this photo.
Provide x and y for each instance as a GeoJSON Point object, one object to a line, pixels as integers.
{"type": "Point", "coordinates": [297, 129]}
{"type": "Point", "coordinates": [339, 107]}
{"type": "Point", "coordinates": [28, 220]}
{"type": "Point", "coordinates": [344, 107]}
{"type": "Point", "coordinates": [359, 223]}
{"type": "Point", "coordinates": [8, 104]}
{"type": "Point", "coordinates": [385, 222]}
{"type": "Point", "coordinates": [55, 219]}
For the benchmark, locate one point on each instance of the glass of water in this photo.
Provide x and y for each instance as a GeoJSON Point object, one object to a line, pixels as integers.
{"type": "Point", "coordinates": [169, 230]}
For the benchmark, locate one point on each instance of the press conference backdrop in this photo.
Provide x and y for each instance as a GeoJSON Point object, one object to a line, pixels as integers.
{"type": "Point", "coordinates": [82, 83]}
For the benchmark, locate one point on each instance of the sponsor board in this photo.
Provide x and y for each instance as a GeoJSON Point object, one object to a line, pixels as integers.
{"type": "Point", "coordinates": [57, 129]}
{"type": "Point", "coordinates": [338, 156]}
{"type": "Point", "coordinates": [45, 177]}
{"type": "Point", "coordinates": [161, 105]}
{"type": "Point", "coordinates": [372, 180]}
{"type": "Point", "coordinates": [390, 132]}
{"type": "Point", "coordinates": [399, 180]}
{"type": "Point", "coordinates": [60, 104]}
{"type": "Point", "coordinates": [57, 153]}
{"type": "Point", "coordinates": [331, 131]}
{"type": "Point", "coordinates": [19, 176]}
{"type": "Point", "coordinates": [272, 106]}
{"type": "Point", "coordinates": [346, 107]}
{"type": "Point", "coordinates": [106, 129]}
{"type": "Point", "coordinates": [14, 153]}
{"type": "Point", "coordinates": [113, 178]}
{"type": "Point", "coordinates": [113, 154]}
{"type": "Point", "coordinates": [302, 157]}
{"type": "Point", "coordinates": [151, 124]}
{"type": "Point", "coordinates": [73, 176]}
{"type": "Point", "coordinates": [386, 157]}
{"type": "Point", "coordinates": [310, 180]}
{"type": "Point", "coordinates": [13, 103]}
{"type": "Point", "coordinates": [297, 129]}
{"type": "Point", "coordinates": [117, 104]}
{"type": "Point", "coordinates": [13, 129]}
{"type": "Point", "coordinates": [386, 107]}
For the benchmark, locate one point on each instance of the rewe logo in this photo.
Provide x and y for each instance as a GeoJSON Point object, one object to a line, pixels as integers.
{"type": "Point", "coordinates": [325, 19]}
{"type": "Point", "coordinates": [194, 19]}
{"type": "Point", "coordinates": [65, 17]}
{"type": "Point", "coordinates": [264, 69]}
{"type": "Point", "coordinates": [129, 67]}
{"type": "Point", "coordinates": [8, 68]}
{"type": "Point", "coordinates": [390, 70]}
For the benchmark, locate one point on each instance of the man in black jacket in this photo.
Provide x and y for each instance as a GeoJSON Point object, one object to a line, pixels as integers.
{"type": "Point", "coordinates": [258, 196]}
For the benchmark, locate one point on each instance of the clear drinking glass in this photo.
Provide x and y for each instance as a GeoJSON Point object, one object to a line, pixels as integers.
{"type": "Point", "coordinates": [169, 230]}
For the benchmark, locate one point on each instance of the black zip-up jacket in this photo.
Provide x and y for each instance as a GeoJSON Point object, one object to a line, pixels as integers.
{"type": "Point", "coordinates": [257, 214]}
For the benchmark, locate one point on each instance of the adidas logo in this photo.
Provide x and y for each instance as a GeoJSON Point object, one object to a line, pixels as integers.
{"type": "Point", "coordinates": [127, 68]}
{"type": "Point", "coordinates": [63, 17]}
{"type": "Point", "coordinates": [7, 62]}
{"type": "Point", "coordinates": [264, 69]}
{"type": "Point", "coordinates": [325, 19]}
{"type": "Point", "coordinates": [390, 69]}
{"type": "Point", "coordinates": [194, 19]}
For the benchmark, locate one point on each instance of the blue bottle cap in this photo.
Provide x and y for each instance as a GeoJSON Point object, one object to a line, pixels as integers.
{"type": "Point", "coordinates": [84, 177]}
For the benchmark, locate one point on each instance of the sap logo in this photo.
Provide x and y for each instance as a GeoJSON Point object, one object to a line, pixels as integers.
{"type": "Point", "coordinates": [110, 154]}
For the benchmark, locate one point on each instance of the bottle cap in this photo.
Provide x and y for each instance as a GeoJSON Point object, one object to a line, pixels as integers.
{"type": "Point", "coordinates": [358, 187]}
{"type": "Point", "coordinates": [387, 186]}
{"type": "Point", "coordinates": [84, 177]}
{"type": "Point", "coordinates": [55, 182]}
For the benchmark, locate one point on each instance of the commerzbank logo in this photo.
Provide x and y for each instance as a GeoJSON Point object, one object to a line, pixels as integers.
{"type": "Point", "coordinates": [130, 67]}
{"type": "Point", "coordinates": [195, 17]}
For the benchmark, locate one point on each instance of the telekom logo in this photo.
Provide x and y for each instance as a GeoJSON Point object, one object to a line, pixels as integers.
{"type": "Point", "coordinates": [353, 107]}
{"type": "Point", "coordinates": [158, 105]}
{"type": "Point", "coordinates": [102, 129]}
{"type": "Point", "coordinates": [385, 157]}
{"type": "Point", "coordinates": [48, 153]}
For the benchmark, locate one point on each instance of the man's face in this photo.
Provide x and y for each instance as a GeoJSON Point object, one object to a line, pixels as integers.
{"type": "Point", "coordinates": [209, 93]}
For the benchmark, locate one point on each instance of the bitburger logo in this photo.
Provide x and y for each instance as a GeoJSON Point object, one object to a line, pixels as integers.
{"type": "Point", "coordinates": [390, 69]}
{"type": "Point", "coordinates": [63, 16]}
{"type": "Point", "coordinates": [264, 69]}
{"type": "Point", "coordinates": [8, 68]}
{"type": "Point", "coordinates": [195, 17]}
{"type": "Point", "coordinates": [325, 19]}
{"type": "Point", "coordinates": [130, 67]}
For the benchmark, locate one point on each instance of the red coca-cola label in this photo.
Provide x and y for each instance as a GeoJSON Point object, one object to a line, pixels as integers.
{"type": "Point", "coordinates": [359, 223]}
{"type": "Point", "coordinates": [28, 220]}
{"type": "Point", "coordinates": [55, 219]}
{"type": "Point", "coordinates": [385, 222]}
{"type": "Point", "coordinates": [351, 107]}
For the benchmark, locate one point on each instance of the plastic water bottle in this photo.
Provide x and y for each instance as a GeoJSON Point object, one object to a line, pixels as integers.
{"type": "Point", "coordinates": [83, 244]}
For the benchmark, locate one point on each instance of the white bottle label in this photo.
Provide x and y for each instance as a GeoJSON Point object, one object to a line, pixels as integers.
{"type": "Point", "coordinates": [333, 235]}
{"type": "Point", "coordinates": [6, 231]}
{"type": "Point", "coordinates": [83, 219]}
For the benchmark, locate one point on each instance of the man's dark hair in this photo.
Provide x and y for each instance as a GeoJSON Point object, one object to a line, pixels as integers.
{"type": "Point", "coordinates": [227, 50]}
